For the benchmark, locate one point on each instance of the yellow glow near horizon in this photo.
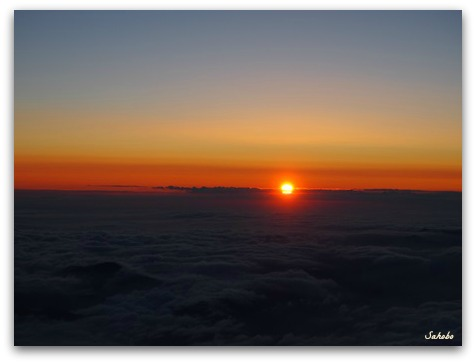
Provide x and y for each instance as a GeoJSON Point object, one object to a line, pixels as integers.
{"type": "Point", "coordinates": [287, 188]}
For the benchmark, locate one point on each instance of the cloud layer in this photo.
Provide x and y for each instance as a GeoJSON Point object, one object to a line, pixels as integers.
{"type": "Point", "coordinates": [327, 268]}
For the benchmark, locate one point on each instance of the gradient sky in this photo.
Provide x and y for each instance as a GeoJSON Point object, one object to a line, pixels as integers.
{"type": "Point", "coordinates": [325, 99]}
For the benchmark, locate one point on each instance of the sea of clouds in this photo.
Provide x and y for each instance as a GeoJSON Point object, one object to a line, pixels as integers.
{"type": "Point", "coordinates": [247, 268]}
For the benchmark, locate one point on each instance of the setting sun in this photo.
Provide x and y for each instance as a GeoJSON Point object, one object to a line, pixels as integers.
{"type": "Point", "coordinates": [287, 188]}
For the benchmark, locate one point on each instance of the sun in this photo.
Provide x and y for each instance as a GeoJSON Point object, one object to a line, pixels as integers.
{"type": "Point", "coordinates": [287, 188]}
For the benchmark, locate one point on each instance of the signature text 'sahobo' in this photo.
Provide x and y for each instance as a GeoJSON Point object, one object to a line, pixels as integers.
{"type": "Point", "coordinates": [433, 336]}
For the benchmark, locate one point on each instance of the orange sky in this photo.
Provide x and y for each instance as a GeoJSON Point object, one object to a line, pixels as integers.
{"type": "Point", "coordinates": [78, 151]}
{"type": "Point", "coordinates": [329, 101]}
{"type": "Point", "coordinates": [77, 175]}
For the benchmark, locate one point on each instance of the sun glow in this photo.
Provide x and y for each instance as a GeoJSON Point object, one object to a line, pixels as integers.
{"type": "Point", "coordinates": [287, 188]}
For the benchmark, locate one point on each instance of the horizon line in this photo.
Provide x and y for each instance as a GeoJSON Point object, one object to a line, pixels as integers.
{"type": "Point", "coordinates": [172, 188]}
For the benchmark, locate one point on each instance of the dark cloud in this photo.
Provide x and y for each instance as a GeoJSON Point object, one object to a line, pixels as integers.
{"type": "Point", "coordinates": [334, 268]}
